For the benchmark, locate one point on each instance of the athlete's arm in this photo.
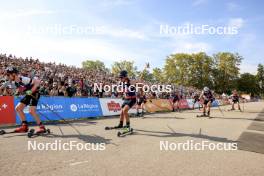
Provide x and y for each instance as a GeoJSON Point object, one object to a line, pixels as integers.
{"type": "Point", "coordinates": [35, 83]}
{"type": "Point", "coordinates": [201, 96]}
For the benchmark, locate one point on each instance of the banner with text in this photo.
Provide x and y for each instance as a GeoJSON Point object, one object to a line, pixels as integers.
{"type": "Point", "coordinates": [55, 108]}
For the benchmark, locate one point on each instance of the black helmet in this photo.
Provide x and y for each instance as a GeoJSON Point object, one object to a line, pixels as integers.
{"type": "Point", "coordinates": [10, 70]}
{"type": "Point", "coordinates": [123, 74]}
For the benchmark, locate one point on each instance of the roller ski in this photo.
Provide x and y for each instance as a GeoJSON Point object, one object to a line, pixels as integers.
{"type": "Point", "coordinates": [2, 132]}
{"type": "Point", "coordinates": [40, 132]}
{"type": "Point", "coordinates": [125, 131]}
{"type": "Point", "coordinates": [234, 110]}
{"type": "Point", "coordinates": [202, 115]}
{"type": "Point", "coordinates": [140, 114]}
{"type": "Point", "coordinates": [22, 129]}
{"type": "Point", "coordinates": [205, 115]}
{"type": "Point", "coordinates": [231, 110]}
{"type": "Point", "coordinates": [115, 127]}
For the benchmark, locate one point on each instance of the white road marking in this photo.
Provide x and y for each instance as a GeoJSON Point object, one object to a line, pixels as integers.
{"type": "Point", "coordinates": [77, 163]}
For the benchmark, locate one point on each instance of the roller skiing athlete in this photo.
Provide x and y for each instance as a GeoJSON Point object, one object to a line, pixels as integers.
{"type": "Point", "coordinates": [29, 86]}
{"type": "Point", "coordinates": [175, 101]}
{"type": "Point", "coordinates": [141, 100]}
{"type": "Point", "coordinates": [208, 98]}
{"type": "Point", "coordinates": [130, 100]}
{"type": "Point", "coordinates": [196, 100]}
{"type": "Point", "coordinates": [235, 100]}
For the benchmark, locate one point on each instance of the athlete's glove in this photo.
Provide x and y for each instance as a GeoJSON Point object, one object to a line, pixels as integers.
{"type": "Point", "coordinates": [29, 92]}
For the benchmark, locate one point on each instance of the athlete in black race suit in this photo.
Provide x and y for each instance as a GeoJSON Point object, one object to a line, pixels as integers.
{"type": "Point", "coordinates": [235, 99]}
{"type": "Point", "coordinates": [141, 100]}
{"type": "Point", "coordinates": [176, 101]}
{"type": "Point", "coordinates": [30, 86]}
{"type": "Point", "coordinates": [129, 99]}
{"type": "Point", "coordinates": [208, 98]}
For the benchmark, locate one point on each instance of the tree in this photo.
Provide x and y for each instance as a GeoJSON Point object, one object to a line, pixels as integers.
{"type": "Point", "coordinates": [247, 83]}
{"type": "Point", "coordinates": [158, 75]}
{"type": "Point", "coordinates": [226, 71]}
{"type": "Point", "coordinates": [93, 65]}
{"type": "Point", "coordinates": [125, 65]}
{"type": "Point", "coordinates": [260, 78]}
{"type": "Point", "coordinates": [176, 68]}
{"type": "Point", "coordinates": [201, 70]}
{"type": "Point", "coordinates": [146, 75]}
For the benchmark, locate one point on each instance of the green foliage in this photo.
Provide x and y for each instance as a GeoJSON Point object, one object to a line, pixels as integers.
{"type": "Point", "coordinates": [176, 68]}
{"type": "Point", "coordinates": [220, 72]}
{"type": "Point", "coordinates": [146, 75]}
{"type": "Point", "coordinates": [93, 65]}
{"type": "Point", "coordinates": [226, 71]}
{"type": "Point", "coordinates": [247, 83]}
{"type": "Point", "coordinates": [125, 65]}
{"type": "Point", "coordinates": [260, 78]}
{"type": "Point", "coordinates": [158, 75]}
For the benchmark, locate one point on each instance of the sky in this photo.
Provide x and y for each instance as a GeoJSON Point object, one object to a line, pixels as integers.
{"type": "Point", "coordinates": [71, 31]}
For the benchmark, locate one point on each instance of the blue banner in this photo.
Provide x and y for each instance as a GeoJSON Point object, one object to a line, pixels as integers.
{"type": "Point", "coordinates": [215, 103]}
{"type": "Point", "coordinates": [56, 108]}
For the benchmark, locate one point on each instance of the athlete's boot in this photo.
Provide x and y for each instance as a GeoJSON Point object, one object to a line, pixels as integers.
{"type": "Point", "coordinates": [22, 129]}
{"type": "Point", "coordinates": [119, 126]}
{"type": "Point", "coordinates": [41, 129]}
{"type": "Point", "coordinates": [208, 113]}
{"type": "Point", "coordinates": [126, 128]}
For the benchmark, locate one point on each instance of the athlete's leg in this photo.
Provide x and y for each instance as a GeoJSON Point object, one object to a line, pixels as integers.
{"type": "Point", "coordinates": [32, 111]}
{"type": "Point", "coordinates": [24, 126]}
{"type": "Point", "coordinates": [209, 107]}
{"type": "Point", "coordinates": [138, 107]}
{"type": "Point", "coordinates": [238, 105]}
{"type": "Point", "coordinates": [126, 116]}
{"type": "Point", "coordinates": [233, 105]}
{"type": "Point", "coordinates": [121, 120]}
{"type": "Point", "coordinates": [142, 108]}
{"type": "Point", "coordinates": [204, 108]}
{"type": "Point", "coordinates": [178, 105]}
{"type": "Point", "coordinates": [19, 109]}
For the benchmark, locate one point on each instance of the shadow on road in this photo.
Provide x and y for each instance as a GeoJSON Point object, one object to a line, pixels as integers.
{"type": "Point", "coordinates": [175, 134]}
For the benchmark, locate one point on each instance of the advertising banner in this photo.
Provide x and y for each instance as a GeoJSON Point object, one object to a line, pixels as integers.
{"type": "Point", "coordinates": [157, 105]}
{"type": "Point", "coordinates": [190, 103]}
{"type": "Point", "coordinates": [53, 108]}
{"type": "Point", "coordinates": [183, 104]}
{"type": "Point", "coordinates": [112, 106]}
{"type": "Point", "coordinates": [7, 110]}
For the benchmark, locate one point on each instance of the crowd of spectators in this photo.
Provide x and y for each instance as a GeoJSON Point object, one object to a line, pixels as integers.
{"type": "Point", "coordinates": [62, 80]}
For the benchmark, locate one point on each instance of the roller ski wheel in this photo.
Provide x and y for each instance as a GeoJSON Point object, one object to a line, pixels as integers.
{"type": "Point", "coordinates": [2, 132]}
{"type": "Point", "coordinates": [32, 133]}
{"type": "Point", "coordinates": [202, 115]}
{"type": "Point", "coordinates": [125, 132]}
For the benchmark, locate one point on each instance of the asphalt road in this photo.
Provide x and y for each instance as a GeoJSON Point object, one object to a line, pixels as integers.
{"type": "Point", "coordinates": [140, 153]}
